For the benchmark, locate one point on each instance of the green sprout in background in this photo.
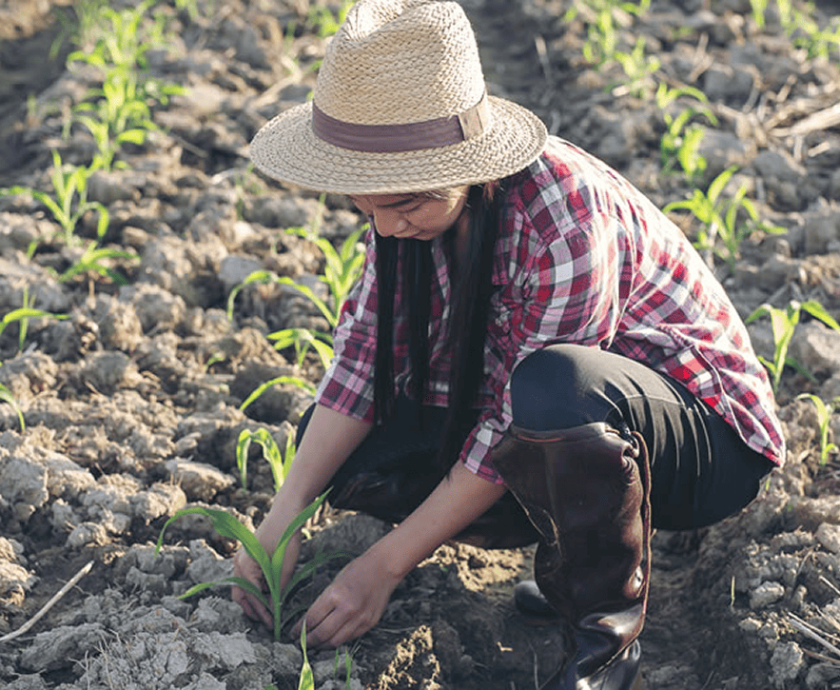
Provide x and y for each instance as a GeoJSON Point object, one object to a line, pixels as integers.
{"type": "Point", "coordinates": [69, 202]}
{"type": "Point", "coordinates": [723, 227]}
{"type": "Point", "coordinates": [7, 397]}
{"type": "Point", "coordinates": [279, 461]}
{"type": "Point", "coordinates": [824, 411]}
{"type": "Point", "coordinates": [783, 323]}
{"type": "Point", "coordinates": [302, 339]}
{"type": "Point", "coordinates": [681, 141]}
{"type": "Point", "coordinates": [93, 261]}
{"type": "Point", "coordinates": [22, 317]}
{"type": "Point", "coordinates": [277, 381]}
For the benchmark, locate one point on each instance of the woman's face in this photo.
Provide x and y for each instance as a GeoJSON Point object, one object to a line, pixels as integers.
{"type": "Point", "coordinates": [414, 216]}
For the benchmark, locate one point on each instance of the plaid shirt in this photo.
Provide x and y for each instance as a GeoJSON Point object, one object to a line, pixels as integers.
{"type": "Point", "coordinates": [582, 257]}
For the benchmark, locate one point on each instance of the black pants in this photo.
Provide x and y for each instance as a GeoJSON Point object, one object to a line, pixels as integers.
{"type": "Point", "coordinates": [701, 471]}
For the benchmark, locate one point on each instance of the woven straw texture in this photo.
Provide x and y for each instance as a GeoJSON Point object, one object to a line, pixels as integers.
{"type": "Point", "coordinates": [397, 62]}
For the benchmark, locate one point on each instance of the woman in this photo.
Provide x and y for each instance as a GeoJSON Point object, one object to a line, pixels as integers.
{"type": "Point", "coordinates": [533, 352]}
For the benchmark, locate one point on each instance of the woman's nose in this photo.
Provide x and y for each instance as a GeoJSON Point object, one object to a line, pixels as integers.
{"type": "Point", "coordinates": [389, 224]}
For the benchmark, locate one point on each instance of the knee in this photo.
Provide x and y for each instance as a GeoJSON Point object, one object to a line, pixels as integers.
{"type": "Point", "coordinates": [546, 390]}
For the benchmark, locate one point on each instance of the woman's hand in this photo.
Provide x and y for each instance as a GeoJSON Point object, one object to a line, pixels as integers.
{"type": "Point", "coordinates": [351, 605]}
{"type": "Point", "coordinates": [268, 534]}
{"type": "Point", "coordinates": [330, 437]}
{"type": "Point", "coordinates": [357, 598]}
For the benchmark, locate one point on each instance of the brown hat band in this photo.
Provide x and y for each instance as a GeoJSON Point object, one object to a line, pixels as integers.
{"type": "Point", "coordinates": [411, 136]}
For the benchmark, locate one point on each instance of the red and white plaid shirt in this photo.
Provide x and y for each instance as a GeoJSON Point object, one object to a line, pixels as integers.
{"type": "Point", "coordinates": [583, 257]}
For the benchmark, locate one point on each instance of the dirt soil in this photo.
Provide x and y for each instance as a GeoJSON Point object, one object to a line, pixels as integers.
{"type": "Point", "coordinates": [131, 403]}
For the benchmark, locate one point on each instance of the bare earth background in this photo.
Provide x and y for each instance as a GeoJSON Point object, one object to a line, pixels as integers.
{"type": "Point", "coordinates": [132, 403]}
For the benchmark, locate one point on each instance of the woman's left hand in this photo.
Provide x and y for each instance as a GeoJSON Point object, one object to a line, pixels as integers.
{"type": "Point", "coordinates": [351, 605]}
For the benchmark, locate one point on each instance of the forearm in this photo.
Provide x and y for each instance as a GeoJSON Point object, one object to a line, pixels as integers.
{"type": "Point", "coordinates": [329, 439]}
{"type": "Point", "coordinates": [458, 500]}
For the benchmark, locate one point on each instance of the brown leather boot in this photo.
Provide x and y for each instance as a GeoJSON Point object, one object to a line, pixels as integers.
{"type": "Point", "coordinates": [587, 491]}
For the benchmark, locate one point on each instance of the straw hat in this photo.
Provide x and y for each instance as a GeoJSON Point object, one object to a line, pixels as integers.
{"type": "Point", "coordinates": [399, 106]}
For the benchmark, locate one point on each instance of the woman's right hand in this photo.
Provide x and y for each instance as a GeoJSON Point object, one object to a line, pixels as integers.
{"type": "Point", "coordinates": [268, 534]}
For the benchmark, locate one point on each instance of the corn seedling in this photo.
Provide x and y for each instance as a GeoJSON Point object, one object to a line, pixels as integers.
{"type": "Point", "coordinates": [681, 141]}
{"type": "Point", "coordinates": [22, 316]}
{"type": "Point", "coordinates": [257, 277]}
{"type": "Point", "coordinates": [824, 411]}
{"type": "Point", "coordinates": [720, 218]}
{"type": "Point", "coordinates": [277, 460]}
{"type": "Point", "coordinates": [69, 201]}
{"type": "Point", "coordinates": [638, 68]}
{"type": "Point", "coordinates": [120, 37]}
{"type": "Point", "coordinates": [784, 322]}
{"type": "Point", "coordinates": [759, 10]}
{"type": "Point", "coordinates": [7, 397]}
{"type": "Point", "coordinates": [348, 666]}
{"type": "Point", "coordinates": [806, 33]}
{"type": "Point", "coordinates": [307, 678]}
{"type": "Point", "coordinates": [603, 18]}
{"type": "Point", "coordinates": [118, 115]}
{"type": "Point", "coordinates": [324, 22]}
{"type": "Point", "coordinates": [191, 8]}
{"type": "Point", "coordinates": [302, 339]}
{"type": "Point", "coordinates": [94, 260]}
{"type": "Point", "coordinates": [341, 270]}
{"type": "Point", "coordinates": [271, 565]}
{"type": "Point", "coordinates": [82, 29]}
{"type": "Point", "coordinates": [278, 381]}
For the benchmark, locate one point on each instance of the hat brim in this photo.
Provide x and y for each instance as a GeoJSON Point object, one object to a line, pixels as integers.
{"type": "Point", "coordinates": [286, 149]}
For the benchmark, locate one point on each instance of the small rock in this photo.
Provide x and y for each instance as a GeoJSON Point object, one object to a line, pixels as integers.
{"type": "Point", "coordinates": [787, 661]}
{"type": "Point", "coordinates": [829, 537]}
{"type": "Point", "coordinates": [765, 594]}
{"type": "Point", "coordinates": [199, 481]}
{"type": "Point", "coordinates": [55, 649]}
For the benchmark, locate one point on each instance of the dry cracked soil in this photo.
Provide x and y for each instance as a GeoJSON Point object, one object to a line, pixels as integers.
{"type": "Point", "coordinates": [132, 402]}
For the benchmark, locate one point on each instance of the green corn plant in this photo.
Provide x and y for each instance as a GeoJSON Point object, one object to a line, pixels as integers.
{"type": "Point", "coordinates": [819, 42]}
{"type": "Point", "coordinates": [341, 270]}
{"type": "Point", "coordinates": [81, 29]}
{"type": "Point", "coordinates": [758, 9]}
{"type": "Point", "coordinates": [120, 37]}
{"type": "Point", "coordinates": [94, 260]}
{"type": "Point", "coordinates": [69, 201]}
{"type": "Point", "coordinates": [278, 381]}
{"type": "Point", "coordinates": [302, 339]}
{"type": "Point", "coordinates": [271, 565]}
{"type": "Point", "coordinates": [307, 678]}
{"type": "Point", "coordinates": [638, 68]}
{"type": "Point", "coordinates": [720, 219]}
{"type": "Point", "coordinates": [323, 21]}
{"type": "Point", "coordinates": [784, 322]}
{"type": "Point", "coordinates": [680, 144]}
{"type": "Point", "coordinates": [603, 17]}
{"type": "Point", "coordinates": [706, 208]}
{"type": "Point", "coordinates": [118, 115]}
{"type": "Point", "coordinates": [7, 397]}
{"type": "Point", "coordinates": [278, 460]}
{"type": "Point", "coordinates": [191, 8]}
{"type": "Point", "coordinates": [22, 316]}
{"type": "Point", "coordinates": [824, 411]}
{"type": "Point", "coordinates": [259, 277]}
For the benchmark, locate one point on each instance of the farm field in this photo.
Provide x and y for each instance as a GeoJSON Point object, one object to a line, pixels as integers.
{"type": "Point", "coordinates": [152, 286]}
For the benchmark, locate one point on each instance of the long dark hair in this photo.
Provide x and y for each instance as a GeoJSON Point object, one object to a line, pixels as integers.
{"type": "Point", "coordinates": [471, 292]}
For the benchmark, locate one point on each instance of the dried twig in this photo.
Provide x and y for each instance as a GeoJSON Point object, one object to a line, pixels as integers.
{"type": "Point", "coordinates": [811, 632]}
{"type": "Point", "coordinates": [815, 122]}
{"type": "Point", "coordinates": [52, 602]}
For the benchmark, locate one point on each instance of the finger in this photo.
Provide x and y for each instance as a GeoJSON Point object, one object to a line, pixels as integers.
{"type": "Point", "coordinates": [252, 607]}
